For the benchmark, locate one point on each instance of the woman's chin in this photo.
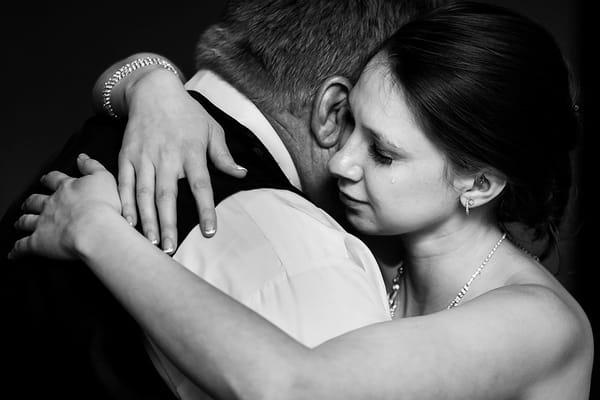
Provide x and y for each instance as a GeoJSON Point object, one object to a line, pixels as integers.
{"type": "Point", "coordinates": [362, 224]}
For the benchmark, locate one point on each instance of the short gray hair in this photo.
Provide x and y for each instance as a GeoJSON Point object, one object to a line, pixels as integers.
{"type": "Point", "coordinates": [278, 52]}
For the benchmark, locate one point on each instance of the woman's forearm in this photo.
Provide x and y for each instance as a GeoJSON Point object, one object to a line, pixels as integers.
{"type": "Point", "coordinates": [223, 346]}
{"type": "Point", "coordinates": [118, 95]}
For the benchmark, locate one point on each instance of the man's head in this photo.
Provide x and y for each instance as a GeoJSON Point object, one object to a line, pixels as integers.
{"type": "Point", "coordinates": [288, 57]}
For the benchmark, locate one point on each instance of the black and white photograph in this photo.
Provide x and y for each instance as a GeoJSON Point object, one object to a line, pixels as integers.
{"type": "Point", "coordinates": [297, 199]}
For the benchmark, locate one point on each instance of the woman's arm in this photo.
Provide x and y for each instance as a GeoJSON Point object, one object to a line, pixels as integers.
{"type": "Point", "coordinates": [495, 346]}
{"type": "Point", "coordinates": [167, 137]}
{"type": "Point", "coordinates": [474, 352]}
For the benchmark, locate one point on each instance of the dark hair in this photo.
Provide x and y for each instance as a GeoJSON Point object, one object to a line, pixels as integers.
{"type": "Point", "coordinates": [278, 52]}
{"type": "Point", "coordinates": [492, 90]}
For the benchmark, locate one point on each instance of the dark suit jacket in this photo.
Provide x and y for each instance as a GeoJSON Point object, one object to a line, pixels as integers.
{"type": "Point", "coordinates": [65, 334]}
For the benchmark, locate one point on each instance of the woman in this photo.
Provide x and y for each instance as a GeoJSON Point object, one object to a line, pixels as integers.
{"type": "Point", "coordinates": [463, 123]}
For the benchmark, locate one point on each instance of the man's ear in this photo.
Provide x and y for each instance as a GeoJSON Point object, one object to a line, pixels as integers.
{"type": "Point", "coordinates": [481, 188]}
{"type": "Point", "coordinates": [330, 105]}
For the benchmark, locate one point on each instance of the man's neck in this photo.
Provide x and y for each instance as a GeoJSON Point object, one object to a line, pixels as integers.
{"type": "Point", "coordinates": [287, 136]}
{"type": "Point", "coordinates": [310, 160]}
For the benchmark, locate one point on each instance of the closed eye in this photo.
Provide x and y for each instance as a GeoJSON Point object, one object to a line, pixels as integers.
{"type": "Point", "coordinates": [378, 155]}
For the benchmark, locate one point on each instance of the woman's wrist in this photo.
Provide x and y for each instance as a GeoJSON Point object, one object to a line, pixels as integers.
{"type": "Point", "coordinates": [153, 82]}
{"type": "Point", "coordinates": [108, 95]}
{"type": "Point", "coordinates": [90, 226]}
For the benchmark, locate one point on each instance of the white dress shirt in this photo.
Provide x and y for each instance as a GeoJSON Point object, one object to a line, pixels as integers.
{"type": "Point", "coordinates": [278, 254]}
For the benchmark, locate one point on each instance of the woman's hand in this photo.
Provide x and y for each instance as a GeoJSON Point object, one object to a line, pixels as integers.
{"type": "Point", "coordinates": [167, 137]}
{"type": "Point", "coordinates": [56, 222]}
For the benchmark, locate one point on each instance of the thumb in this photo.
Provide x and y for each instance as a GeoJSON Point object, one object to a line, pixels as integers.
{"type": "Point", "coordinates": [88, 165]}
{"type": "Point", "coordinates": [220, 155]}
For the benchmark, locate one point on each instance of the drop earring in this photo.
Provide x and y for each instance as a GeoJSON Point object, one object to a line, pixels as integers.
{"type": "Point", "coordinates": [468, 204]}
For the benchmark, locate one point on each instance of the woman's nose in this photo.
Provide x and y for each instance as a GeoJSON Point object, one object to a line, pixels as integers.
{"type": "Point", "coordinates": [344, 163]}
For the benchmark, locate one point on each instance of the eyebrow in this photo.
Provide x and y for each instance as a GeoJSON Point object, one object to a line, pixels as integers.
{"type": "Point", "coordinates": [382, 139]}
{"type": "Point", "coordinates": [378, 136]}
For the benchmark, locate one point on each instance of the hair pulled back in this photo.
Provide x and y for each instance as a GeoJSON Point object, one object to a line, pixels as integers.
{"type": "Point", "coordinates": [492, 90]}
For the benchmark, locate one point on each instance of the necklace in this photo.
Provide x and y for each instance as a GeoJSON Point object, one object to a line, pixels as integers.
{"type": "Point", "coordinates": [393, 295]}
{"type": "Point", "coordinates": [467, 285]}
{"type": "Point", "coordinates": [522, 248]}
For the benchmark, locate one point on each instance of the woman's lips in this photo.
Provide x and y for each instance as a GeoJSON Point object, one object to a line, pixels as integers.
{"type": "Point", "coordinates": [347, 199]}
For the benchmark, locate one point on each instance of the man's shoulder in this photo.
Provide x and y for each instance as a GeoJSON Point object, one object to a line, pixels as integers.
{"type": "Point", "coordinates": [295, 228]}
{"type": "Point", "coordinates": [303, 237]}
{"type": "Point", "coordinates": [271, 235]}
{"type": "Point", "coordinates": [273, 207]}
{"type": "Point", "coordinates": [324, 281]}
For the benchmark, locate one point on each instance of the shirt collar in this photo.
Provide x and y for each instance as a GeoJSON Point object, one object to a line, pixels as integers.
{"type": "Point", "coordinates": [239, 107]}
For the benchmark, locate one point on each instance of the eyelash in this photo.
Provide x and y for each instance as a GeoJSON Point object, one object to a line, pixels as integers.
{"type": "Point", "coordinates": [377, 155]}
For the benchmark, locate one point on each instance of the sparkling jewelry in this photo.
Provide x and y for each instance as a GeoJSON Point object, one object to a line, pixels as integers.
{"type": "Point", "coordinates": [467, 285]}
{"type": "Point", "coordinates": [123, 72]}
{"type": "Point", "coordinates": [394, 292]}
{"type": "Point", "coordinates": [468, 204]}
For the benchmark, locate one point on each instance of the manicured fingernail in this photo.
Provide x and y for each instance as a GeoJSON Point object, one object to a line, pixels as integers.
{"type": "Point", "coordinates": [152, 238]}
{"type": "Point", "coordinates": [168, 246]}
{"type": "Point", "coordinates": [83, 156]}
{"type": "Point", "coordinates": [209, 229]}
{"type": "Point", "coordinates": [240, 168]}
{"type": "Point", "coordinates": [129, 220]}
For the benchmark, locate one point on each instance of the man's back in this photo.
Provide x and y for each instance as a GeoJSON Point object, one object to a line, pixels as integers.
{"type": "Point", "coordinates": [87, 342]}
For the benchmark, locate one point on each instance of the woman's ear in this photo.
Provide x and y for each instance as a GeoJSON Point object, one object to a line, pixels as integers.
{"type": "Point", "coordinates": [480, 189]}
{"type": "Point", "coordinates": [328, 118]}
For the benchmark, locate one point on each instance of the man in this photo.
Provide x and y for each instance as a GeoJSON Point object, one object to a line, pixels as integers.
{"type": "Point", "coordinates": [270, 73]}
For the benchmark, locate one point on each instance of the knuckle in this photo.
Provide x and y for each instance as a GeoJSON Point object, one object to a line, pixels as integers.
{"type": "Point", "coordinates": [207, 214]}
{"type": "Point", "coordinates": [21, 222]}
{"type": "Point", "coordinates": [165, 195]}
{"type": "Point", "coordinates": [199, 185]}
{"type": "Point", "coordinates": [167, 151]}
{"type": "Point", "coordinates": [41, 203]}
{"type": "Point", "coordinates": [50, 176]}
{"type": "Point", "coordinates": [216, 129]}
{"type": "Point", "coordinates": [144, 191]}
{"type": "Point", "coordinates": [124, 185]}
{"type": "Point", "coordinates": [222, 154]}
{"type": "Point", "coordinates": [126, 153]}
{"type": "Point", "coordinates": [126, 206]}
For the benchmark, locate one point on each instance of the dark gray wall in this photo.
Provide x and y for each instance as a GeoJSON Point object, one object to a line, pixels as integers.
{"type": "Point", "coordinates": [53, 54]}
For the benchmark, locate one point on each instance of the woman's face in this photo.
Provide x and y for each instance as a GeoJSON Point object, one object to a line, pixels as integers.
{"type": "Point", "coordinates": [391, 177]}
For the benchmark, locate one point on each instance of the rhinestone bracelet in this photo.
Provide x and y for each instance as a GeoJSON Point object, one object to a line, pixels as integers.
{"type": "Point", "coordinates": [123, 72]}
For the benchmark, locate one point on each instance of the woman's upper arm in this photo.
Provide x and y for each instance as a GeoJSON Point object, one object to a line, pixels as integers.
{"type": "Point", "coordinates": [495, 346]}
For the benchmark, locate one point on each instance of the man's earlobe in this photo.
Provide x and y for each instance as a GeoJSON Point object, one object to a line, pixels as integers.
{"type": "Point", "coordinates": [328, 116]}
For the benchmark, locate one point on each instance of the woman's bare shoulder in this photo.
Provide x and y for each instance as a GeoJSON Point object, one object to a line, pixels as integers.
{"type": "Point", "coordinates": [551, 313]}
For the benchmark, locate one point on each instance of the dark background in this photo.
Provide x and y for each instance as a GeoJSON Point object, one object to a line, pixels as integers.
{"type": "Point", "coordinates": [53, 54]}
